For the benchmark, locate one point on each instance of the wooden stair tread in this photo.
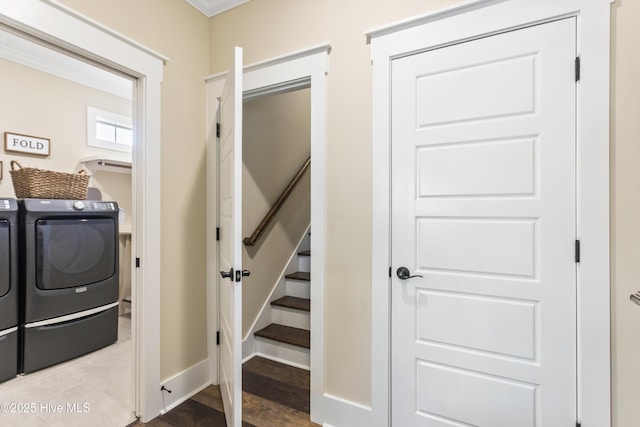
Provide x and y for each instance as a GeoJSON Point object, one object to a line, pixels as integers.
{"type": "Point", "coordinates": [305, 253]}
{"type": "Point", "coordinates": [286, 334]}
{"type": "Point", "coordinates": [303, 304]}
{"type": "Point", "coordinates": [299, 275]}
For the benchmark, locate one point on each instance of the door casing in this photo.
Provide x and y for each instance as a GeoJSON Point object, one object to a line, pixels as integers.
{"type": "Point", "coordinates": [61, 26]}
{"type": "Point", "coordinates": [467, 21]}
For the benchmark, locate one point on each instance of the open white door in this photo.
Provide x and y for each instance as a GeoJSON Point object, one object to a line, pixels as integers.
{"type": "Point", "coordinates": [230, 197]}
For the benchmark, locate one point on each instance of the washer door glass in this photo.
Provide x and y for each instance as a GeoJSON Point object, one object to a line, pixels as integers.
{"type": "Point", "coordinates": [75, 252]}
{"type": "Point", "coordinates": [4, 257]}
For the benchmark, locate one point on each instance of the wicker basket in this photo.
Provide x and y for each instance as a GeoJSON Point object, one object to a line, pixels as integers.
{"type": "Point", "coordinates": [34, 183]}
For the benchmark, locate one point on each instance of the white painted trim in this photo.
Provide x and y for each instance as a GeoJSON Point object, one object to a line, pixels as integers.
{"type": "Point", "coordinates": [211, 8]}
{"type": "Point", "coordinates": [433, 15]}
{"type": "Point", "coordinates": [341, 412]}
{"type": "Point", "coordinates": [464, 22]}
{"type": "Point", "coordinates": [217, 78]}
{"type": "Point", "coordinates": [287, 353]}
{"type": "Point", "coordinates": [310, 65]}
{"type": "Point", "coordinates": [184, 385]}
{"type": "Point", "coordinates": [277, 359]}
{"type": "Point", "coordinates": [102, 28]}
{"type": "Point", "coordinates": [146, 244]}
{"type": "Point", "coordinates": [282, 59]}
{"type": "Point", "coordinates": [63, 27]}
{"type": "Point", "coordinates": [285, 59]}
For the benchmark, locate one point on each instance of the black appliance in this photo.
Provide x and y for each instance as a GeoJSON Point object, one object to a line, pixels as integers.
{"type": "Point", "coordinates": [69, 284]}
{"type": "Point", "coordinates": [8, 288]}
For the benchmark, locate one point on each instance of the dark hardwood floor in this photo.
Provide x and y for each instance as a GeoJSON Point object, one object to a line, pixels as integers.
{"type": "Point", "coordinates": [273, 395]}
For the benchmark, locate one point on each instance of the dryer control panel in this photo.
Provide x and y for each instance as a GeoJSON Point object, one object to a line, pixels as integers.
{"type": "Point", "coordinates": [60, 206]}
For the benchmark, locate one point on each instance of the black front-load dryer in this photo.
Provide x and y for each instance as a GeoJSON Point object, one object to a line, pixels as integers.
{"type": "Point", "coordinates": [69, 279]}
{"type": "Point", "coordinates": [8, 288]}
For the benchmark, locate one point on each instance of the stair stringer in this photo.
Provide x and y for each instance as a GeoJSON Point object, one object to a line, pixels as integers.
{"type": "Point", "coordinates": [279, 290]}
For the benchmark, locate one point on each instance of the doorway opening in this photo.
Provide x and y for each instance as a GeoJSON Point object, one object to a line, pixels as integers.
{"type": "Point", "coordinates": [67, 31]}
{"type": "Point", "coordinates": [281, 75]}
{"type": "Point", "coordinates": [58, 89]}
{"type": "Point", "coordinates": [276, 225]}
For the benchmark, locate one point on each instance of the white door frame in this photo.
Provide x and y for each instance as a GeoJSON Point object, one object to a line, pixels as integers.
{"type": "Point", "coordinates": [307, 68]}
{"type": "Point", "coordinates": [61, 26]}
{"type": "Point", "coordinates": [466, 21]}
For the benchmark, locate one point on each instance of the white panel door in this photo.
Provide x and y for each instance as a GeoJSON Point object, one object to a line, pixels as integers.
{"type": "Point", "coordinates": [484, 212]}
{"type": "Point", "coordinates": [230, 198]}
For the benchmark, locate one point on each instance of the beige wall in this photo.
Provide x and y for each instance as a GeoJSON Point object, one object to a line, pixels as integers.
{"type": "Point", "coordinates": [293, 25]}
{"type": "Point", "coordinates": [28, 96]}
{"type": "Point", "coordinates": [625, 210]}
{"type": "Point", "coordinates": [269, 28]}
{"type": "Point", "coordinates": [276, 142]}
{"type": "Point", "coordinates": [180, 32]}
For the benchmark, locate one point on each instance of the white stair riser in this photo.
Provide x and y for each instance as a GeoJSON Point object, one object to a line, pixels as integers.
{"type": "Point", "coordinates": [298, 288]}
{"type": "Point", "coordinates": [284, 352]}
{"type": "Point", "coordinates": [304, 263]}
{"type": "Point", "coordinates": [291, 317]}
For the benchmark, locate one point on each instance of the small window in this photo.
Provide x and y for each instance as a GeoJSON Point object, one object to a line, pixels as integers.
{"type": "Point", "coordinates": [109, 130]}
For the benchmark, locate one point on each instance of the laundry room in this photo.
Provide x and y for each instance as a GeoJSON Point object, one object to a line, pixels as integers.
{"type": "Point", "coordinates": [70, 317]}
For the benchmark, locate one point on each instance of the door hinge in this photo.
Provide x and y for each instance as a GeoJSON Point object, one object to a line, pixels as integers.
{"type": "Point", "coordinates": [577, 68]}
{"type": "Point", "coordinates": [578, 424]}
{"type": "Point", "coordinates": [218, 130]}
{"type": "Point", "coordinates": [217, 233]}
{"type": "Point", "coordinates": [137, 262]}
{"type": "Point", "coordinates": [389, 271]}
{"type": "Point", "coordinates": [217, 337]}
{"type": "Point", "coordinates": [577, 250]}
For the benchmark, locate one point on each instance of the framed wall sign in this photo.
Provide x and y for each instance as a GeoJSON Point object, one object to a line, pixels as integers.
{"type": "Point", "coordinates": [0, 170]}
{"type": "Point", "coordinates": [27, 144]}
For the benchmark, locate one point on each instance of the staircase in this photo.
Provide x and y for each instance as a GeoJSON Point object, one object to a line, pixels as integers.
{"type": "Point", "coordinates": [287, 339]}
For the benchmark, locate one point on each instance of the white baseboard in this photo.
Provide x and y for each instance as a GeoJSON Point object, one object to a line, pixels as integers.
{"type": "Point", "coordinates": [294, 355]}
{"type": "Point", "coordinates": [248, 347]}
{"type": "Point", "coordinates": [184, 385]}
{"type": "Point", "coordinates": [339, 412]}
{"type": "Point", "coordinates": [283, 361]}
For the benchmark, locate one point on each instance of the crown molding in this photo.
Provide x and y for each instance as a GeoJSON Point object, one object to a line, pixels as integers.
{"type": "Point", "coordinates": [214, 7]}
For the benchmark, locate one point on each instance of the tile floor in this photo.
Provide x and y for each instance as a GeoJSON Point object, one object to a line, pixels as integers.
{"type": "Point", "coordinates": [92, 390]}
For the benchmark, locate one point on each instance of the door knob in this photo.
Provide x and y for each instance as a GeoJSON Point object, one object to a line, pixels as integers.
{"type": "Point", "coordinates": [227, 274]}
{"type": "Point", "coordinates": [241, 274]}
{"type": "Point", "coordinates": [403, 273]}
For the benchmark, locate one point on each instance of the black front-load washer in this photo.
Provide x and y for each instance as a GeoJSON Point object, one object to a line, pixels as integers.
{"type": "Point", "coordinates": [8, 288]}
{"type": "Point", "coordinates": [69, 282]}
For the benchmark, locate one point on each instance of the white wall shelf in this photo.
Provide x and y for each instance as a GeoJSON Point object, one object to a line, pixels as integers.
{"type": "Point", "coordinates": [93, 164]}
